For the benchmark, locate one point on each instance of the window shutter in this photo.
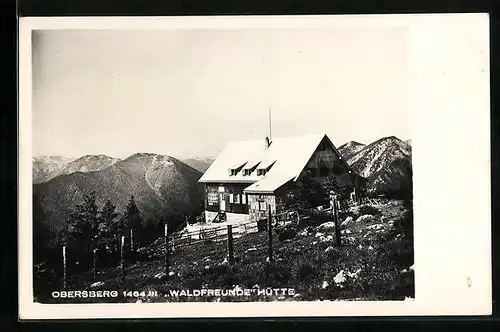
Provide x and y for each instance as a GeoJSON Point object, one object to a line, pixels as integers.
{"type": "Point", "coordinates": [231, 198]}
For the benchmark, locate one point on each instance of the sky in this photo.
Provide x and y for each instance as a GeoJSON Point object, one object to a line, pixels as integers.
{"type": "Point", "coordinates": [188, 93]}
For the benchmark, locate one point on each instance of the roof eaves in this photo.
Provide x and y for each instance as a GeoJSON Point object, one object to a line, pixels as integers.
{"type": "Point", "coordinates": [250, 181]}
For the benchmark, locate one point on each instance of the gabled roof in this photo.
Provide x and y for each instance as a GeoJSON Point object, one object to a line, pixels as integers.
{"type": "Point", "coordinates": [290, 155]}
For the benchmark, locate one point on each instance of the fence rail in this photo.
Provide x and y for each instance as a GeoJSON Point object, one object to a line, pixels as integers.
{"type": "Point", "coordinates": [212, 234]}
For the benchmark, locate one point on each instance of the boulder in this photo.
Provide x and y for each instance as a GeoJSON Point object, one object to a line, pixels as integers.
{"type": "Point", "coordinates": [365, 218]}
{"type": "Point", "coordinates": [327, 225]}
{"type": "Point", "coordinates": [347, 221]}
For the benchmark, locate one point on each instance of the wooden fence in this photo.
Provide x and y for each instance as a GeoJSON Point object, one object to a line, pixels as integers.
{"type": "Point", "coordinates": [211, 233]}
{"type": "Point", "coordinates": [223, 233]}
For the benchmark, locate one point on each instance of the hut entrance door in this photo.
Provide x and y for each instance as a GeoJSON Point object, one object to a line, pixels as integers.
{"type": "Point", "coordinates": [222, 202]}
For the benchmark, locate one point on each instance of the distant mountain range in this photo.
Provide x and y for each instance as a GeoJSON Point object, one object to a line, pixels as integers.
{"type": "Point", "coordinates": [385, 163]}
{"type": "Point", "coordinates": [199, 164]}
{"type": "Point", "coordinates": [164, 185]}
{"type": "Point", "coordinates": [48, 167]}
{"type": "Point", "coordinates": [161, 185]}
{"type": "Point", "coordinates": [45, 167]}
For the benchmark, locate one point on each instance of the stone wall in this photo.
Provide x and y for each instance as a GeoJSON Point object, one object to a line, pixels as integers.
{"type": "Point", "coordinates": [258, 206]}
{"type": "Point", "coordinates": [232, 218]}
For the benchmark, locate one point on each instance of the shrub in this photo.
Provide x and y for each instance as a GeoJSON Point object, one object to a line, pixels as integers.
{"type": "Point", "coordinates": [317, 218]}
{"type": "Point", "coordinates": [277, 275]}
{"type": "Point", "coordinates": [369, 209]}
{"type": "Point", "coordinates": [306, 271]}
{"type": "Point", "coordinates": [286, 233]}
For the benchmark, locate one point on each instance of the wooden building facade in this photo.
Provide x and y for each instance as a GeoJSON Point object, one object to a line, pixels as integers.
{"type": "Point", "coordinates": [249, 177]}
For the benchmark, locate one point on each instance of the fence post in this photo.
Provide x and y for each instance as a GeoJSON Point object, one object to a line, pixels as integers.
{"type": "Point", "coordinates": [132, 239]}
{"type": "Point", "coordinates": [336, 221]}
{"type": "Point", "coordinates": [172, 244]}
{"type": "Point", "coordinates": [166, 252]}
{"type": "Point", "coordinates": [95, 262]}
{"type": "Point", "coordinates": [122, 251]}
{"type": "Point", "coordinates": [270, 235]}
{"type": "Point", "coordinates": [64, 266]}
{"type": "Point", "coordinates": [230, 252]}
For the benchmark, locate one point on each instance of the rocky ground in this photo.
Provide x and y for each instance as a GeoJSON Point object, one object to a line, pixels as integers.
{"type": "Point", "coordinates": [375, 262]}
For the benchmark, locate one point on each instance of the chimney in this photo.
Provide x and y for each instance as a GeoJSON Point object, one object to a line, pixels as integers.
{"type": "Point", "coordinates": [268, 142]}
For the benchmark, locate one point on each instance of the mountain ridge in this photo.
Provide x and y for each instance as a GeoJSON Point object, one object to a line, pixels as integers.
{"type": "Point", "coordinates": [199, 163]}
{"type": "Point", "coordinates": [160, 184]}
{"type": "Point", "coordinates": [386, 164]}
{"type": "Point", "coordinates": [349, 149]}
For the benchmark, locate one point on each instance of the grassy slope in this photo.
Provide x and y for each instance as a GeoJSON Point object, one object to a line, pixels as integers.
{"type": "Point", "coordinates": [308, 262]}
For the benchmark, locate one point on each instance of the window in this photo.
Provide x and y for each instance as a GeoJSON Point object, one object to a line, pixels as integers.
{"type": "Point", "coordinates": [262, 206]}
{"type": "Point", "coordinates": [261, 172]}
{"type": "Point", "coordinates": [212, 198]}
{"type": "Point", "coordinates": [236, 199]}
{"type": "Point", "coordinates": [246, 171]}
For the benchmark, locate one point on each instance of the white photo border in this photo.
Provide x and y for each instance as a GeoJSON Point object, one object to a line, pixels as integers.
{"type": "Point", "coordinates": [450, 103]}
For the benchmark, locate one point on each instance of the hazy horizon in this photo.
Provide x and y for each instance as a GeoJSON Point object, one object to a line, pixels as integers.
{"type": "Point", "coordinates": [180, 157]}
{"type": "Point", "coordinates": [187, 93]}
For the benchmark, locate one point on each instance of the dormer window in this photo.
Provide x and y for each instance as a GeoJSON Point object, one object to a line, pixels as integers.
{"type": "Point", "coordinates": [236, 168]}
{"type": "Point", "coordinates": [250, 167]}
{"type": "Point", "coordinates": [264, 167]}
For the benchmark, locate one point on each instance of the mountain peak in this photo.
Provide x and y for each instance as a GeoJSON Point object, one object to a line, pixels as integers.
{"type": "Point", "coordinates": [95, 156]}
{"type": "Point", "coordinates": [389, 138]}
{"type": "Point", "coordinates": [147, 155]}
{"type": "Point", "coordinates": [349, 149]}
{"type": "Point", "coordinates": [377, 155]}
{"type": "Point", "coordinates": [351, 144]}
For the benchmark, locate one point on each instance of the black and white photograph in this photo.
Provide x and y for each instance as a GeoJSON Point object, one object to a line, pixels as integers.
{"type": "Point", "coordinates": [263, 164]}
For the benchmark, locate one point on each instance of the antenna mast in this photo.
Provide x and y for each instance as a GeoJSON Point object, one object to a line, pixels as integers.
{"type": "Point", "coordinates": [270, 123]}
